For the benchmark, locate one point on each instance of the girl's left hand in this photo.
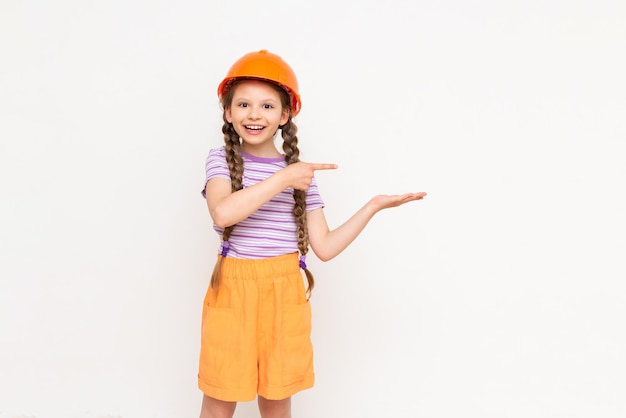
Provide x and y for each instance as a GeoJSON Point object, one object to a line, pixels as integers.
{"type": "Point", "coordinates": [390, 201]}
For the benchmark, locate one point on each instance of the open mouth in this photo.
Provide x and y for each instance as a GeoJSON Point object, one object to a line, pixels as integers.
{"type": "Point", "coordinates": [254, 127]}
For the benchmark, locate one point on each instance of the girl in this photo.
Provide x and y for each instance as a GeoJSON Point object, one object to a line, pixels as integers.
{"type": "Point", "coordinates": [256, 320]}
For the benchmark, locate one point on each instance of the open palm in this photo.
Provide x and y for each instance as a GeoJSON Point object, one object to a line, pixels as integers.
{"type": "Point", "coordinates": [389, 201]}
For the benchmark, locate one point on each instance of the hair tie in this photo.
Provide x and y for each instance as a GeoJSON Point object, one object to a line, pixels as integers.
{"type": "Point", "coordinates": [303, 262]}
{"type": "Point", "coordinates": [225, 248]}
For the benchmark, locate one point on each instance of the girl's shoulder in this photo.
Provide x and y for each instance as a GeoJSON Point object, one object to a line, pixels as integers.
{"type": "Point", "coordinates": [219, 151]}
{"type": "Point", "coordinates": [217, 154]}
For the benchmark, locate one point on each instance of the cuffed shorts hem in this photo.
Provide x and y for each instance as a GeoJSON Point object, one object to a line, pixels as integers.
{"type": "Point", "coordinates": [277, 393]}
{"type": "Point", "coordinates": [246, 395]}
{"type": "Point", "coordinates": [227, 395]}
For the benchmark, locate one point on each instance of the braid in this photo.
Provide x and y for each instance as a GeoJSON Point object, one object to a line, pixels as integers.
{"type": "Point", "coordinates": [292, 154]}
{"type": "Point", "coordinates": [235, 166]}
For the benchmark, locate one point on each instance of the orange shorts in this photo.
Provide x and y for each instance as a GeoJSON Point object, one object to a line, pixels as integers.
{"type": "Point", "coordinates": [256, 331]}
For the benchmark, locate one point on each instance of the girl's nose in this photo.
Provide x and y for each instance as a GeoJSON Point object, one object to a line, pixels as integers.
{"type": "Point", "coordinates": [254, 112]}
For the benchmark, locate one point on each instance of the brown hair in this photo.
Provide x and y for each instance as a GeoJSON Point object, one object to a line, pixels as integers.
{"type": "Point", "coordinates": [235, 165]}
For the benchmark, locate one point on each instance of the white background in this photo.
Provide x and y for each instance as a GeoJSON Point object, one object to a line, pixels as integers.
{"type": "Point", "coordinates": [500, 295]}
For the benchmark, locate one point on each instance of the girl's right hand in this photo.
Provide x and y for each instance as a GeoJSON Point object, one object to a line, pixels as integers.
{"type": "Point", "coordinates": [300, 175]}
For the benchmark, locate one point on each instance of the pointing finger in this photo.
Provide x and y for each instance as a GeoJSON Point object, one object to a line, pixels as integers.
{"type": "Point", "coordinates": [323, 166]}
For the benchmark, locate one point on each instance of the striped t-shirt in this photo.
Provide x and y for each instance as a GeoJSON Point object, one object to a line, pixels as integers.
{"type": "Point", "coordinates": [271, 230]}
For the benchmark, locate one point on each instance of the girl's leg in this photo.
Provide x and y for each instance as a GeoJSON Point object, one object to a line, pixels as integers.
{"type": "Point", "coordinates": [214, 408]}
{"type": "Point", "coordinates": [274, 409]}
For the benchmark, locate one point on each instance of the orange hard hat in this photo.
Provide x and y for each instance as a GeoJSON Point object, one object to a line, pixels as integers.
{"type": "Point", "coordinates": [264, 65]}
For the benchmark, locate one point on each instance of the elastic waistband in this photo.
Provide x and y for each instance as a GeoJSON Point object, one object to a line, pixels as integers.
{"type": "Point", "coordinates": [262, 268]}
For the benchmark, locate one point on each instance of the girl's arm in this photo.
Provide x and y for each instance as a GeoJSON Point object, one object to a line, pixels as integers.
{"type": "Point", "coordinates": [228, 208]}
{"type": "Point", "coordinates": [327, 244]}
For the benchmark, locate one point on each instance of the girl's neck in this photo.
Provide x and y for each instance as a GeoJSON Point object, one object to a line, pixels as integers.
{"type": "Point", "coordinates": [264, 151]}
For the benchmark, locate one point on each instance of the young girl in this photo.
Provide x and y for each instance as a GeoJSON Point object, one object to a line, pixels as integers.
{"type": "Point", "coordinates": [256, 320]}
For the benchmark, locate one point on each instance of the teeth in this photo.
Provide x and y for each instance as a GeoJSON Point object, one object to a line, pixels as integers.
{"type": "Point", "coordinates": [254, 127]}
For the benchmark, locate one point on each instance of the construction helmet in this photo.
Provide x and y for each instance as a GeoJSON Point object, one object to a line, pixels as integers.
{"type": "Point", "coordinates": [264, 65]}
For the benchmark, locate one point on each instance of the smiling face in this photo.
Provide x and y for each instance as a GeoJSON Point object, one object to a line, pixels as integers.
{"type": "Point", "coordinates": [256, 111]}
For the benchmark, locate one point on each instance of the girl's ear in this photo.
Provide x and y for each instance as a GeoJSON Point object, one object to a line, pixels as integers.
{"type": "Point", "coordinates": [284, 118]}
{"type": "Point", "coordinates": [228, 115]}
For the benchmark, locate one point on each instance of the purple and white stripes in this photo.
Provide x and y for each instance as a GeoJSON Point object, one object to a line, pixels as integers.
{"type": "Point", "coordinates": [271, 230]}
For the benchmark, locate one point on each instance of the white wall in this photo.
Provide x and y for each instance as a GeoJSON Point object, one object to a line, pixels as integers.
{"type": "Point", "coordinates": [500, 295]}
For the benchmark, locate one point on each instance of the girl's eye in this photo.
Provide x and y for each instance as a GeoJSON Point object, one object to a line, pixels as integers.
{"type": "Point", "coordinates": [268, 106]}
{"type": "Point", "coordinates": [243, 104]}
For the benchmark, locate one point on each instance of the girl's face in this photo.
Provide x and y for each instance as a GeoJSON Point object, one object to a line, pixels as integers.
{"type": "Point", "coordinates": [256, 113]}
